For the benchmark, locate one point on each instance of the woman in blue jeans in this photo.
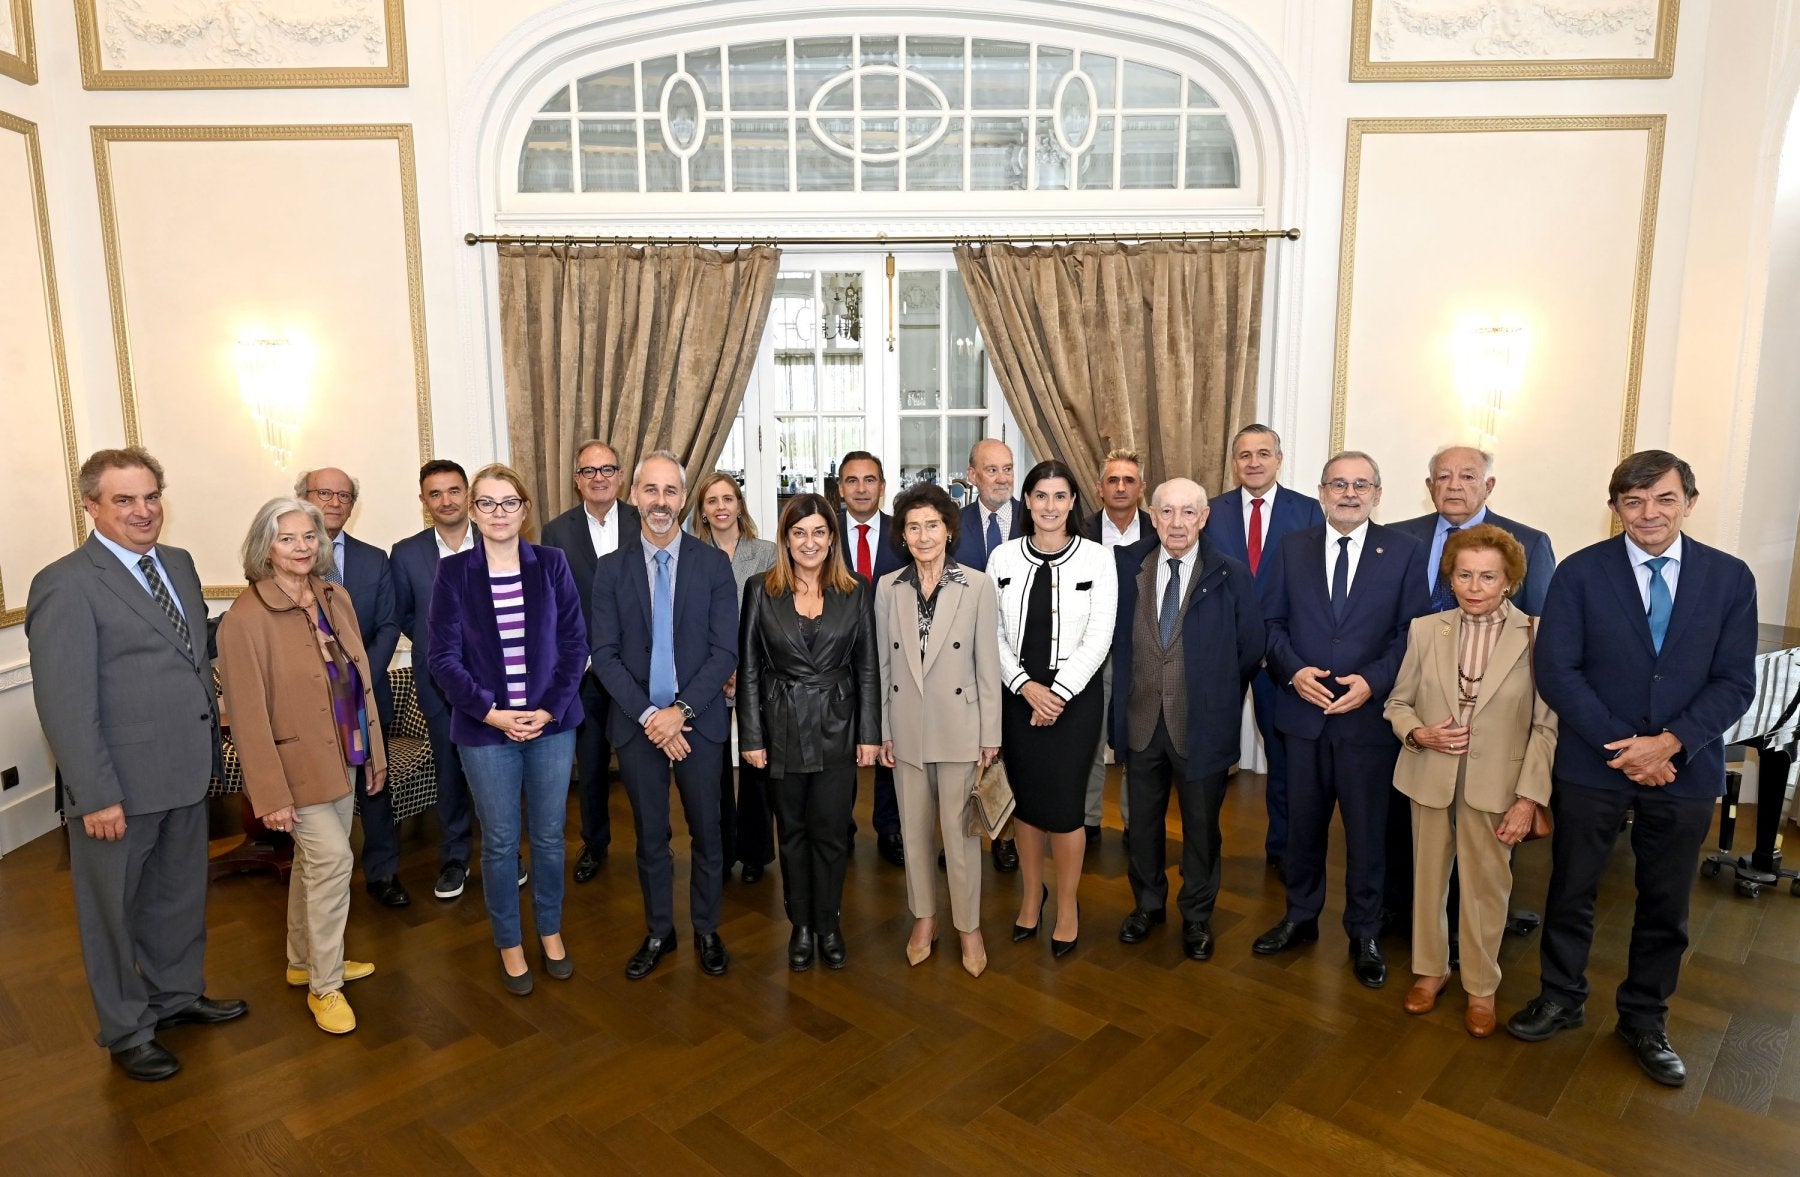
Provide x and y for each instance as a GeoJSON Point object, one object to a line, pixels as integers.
{"type": "Point", "coordinates": [508, 646]}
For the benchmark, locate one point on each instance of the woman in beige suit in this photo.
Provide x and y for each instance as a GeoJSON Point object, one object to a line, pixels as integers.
{"type": "Point", "coordinates": [1479, 742]}
{"type": "Point", "coordinates": [938, 634]}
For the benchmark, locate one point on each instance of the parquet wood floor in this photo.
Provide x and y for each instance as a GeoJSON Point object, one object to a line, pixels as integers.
{"type": "Point", "coordinates": [1121, 1059]}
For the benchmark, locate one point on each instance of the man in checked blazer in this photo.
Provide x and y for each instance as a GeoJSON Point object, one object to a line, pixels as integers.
{"type": "Point", "coordinates": [121, 674]}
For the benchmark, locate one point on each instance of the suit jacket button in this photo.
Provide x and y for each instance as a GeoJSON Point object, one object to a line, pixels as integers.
{"type": "Point", "coordinates": [956, 645]}
{"type": "Point", "coordinates": [959, 690]}
{"type": "Point", "coordinates": [896, 645]}
{"type": "Point", "coordinates": [896, 688]}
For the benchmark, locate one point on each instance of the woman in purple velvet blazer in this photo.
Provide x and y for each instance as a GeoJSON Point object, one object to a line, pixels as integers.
{"type": "Point", "coordinates": [508, 647]}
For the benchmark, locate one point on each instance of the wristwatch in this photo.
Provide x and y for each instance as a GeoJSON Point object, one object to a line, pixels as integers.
{"type": "Point", "coordinates": [685, 709]}
{"type": "Point", "coordinates": [1412, 743]}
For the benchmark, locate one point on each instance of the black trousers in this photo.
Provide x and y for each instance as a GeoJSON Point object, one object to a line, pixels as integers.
{"type": "Point", "coordinates": [593, 764]}
{"type": "Point", "coordinates": [646, 772]}
{"type": "Point", "coordinates": [1356, 779]}
{"type": "Point", "coordinates": [1149, 777]}
{"type": "Point", "coordinates": [747, 824]}
{"type": "Point", "coordinates": [1667, 833]}
{"type": "Point", "coordinates": [812, 815]}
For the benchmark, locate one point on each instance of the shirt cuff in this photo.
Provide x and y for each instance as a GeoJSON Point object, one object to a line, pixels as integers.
{"type": "Point", "coordinates": [645, 717]}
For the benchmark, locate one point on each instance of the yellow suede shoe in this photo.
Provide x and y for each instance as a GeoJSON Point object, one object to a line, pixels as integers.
{"type": "Point", "coordinates": [332, 1012]}
{"type": "Point", "coordinates": [354, 970]}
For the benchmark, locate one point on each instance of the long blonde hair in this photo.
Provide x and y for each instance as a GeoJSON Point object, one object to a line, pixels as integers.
{"type": "Point", "coordinates": [701, 525]}
{"type": "Point", "coordinates": [779, 580]}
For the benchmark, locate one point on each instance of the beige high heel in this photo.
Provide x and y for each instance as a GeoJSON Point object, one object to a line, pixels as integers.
{"type": "Point", "coordinates": [974, 965]}
{"type": "Point", "coordinates": [915, 955]}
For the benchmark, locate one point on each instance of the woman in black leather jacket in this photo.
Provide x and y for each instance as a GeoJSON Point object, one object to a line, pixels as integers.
{"type": "Point", "coordinates": [809, 711]}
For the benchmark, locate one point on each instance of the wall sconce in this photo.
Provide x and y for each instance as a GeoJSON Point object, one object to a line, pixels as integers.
{"type": "Point", "coordinates": [274, 377]}
{"type": "Point", "coordinates": [1490, 371]}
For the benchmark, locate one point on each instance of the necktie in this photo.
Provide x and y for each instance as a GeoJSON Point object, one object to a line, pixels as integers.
{"type": "Point", "coordinates": [336, 574]}
{"type": "Point", "coordinates": [1255, 537]}
{"type": "Point", "coordinates": [160, 592]}
{"type": "Point", "coordinates": [993, 532]}
{"type": "Point", "coordinates": [1442, 596]}
{"type": "Point", "coordinates": [1171, 603]}
{"type": "Point", "coordinates": [662, 636]}
{"type": "Point", "coordinates": [1340, 579]}
{"type": "Point", "coordinates": [864, 565]}
{"type": "Point", "coordinates": [1661, 603]}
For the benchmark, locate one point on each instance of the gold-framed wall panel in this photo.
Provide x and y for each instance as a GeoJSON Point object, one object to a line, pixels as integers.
{"type": "Point", "coordinates": [22, 65]}
{"type": "Point", "coordinates": [400, 133]}
{"type": "Point", "coordinates": [95, 76]}
{"type": "Point", "coordinates": [1654, 127]}
{"type": "Point", "coordinates": [1659, 65]}
{"type": "Point", "coordinates": [15, 615]}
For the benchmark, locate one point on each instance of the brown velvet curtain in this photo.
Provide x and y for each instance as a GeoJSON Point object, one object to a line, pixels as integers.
{"type": "Point", "coordinates": [648, 347]}
{"type": "Point", "coordinates": [1101, 344]}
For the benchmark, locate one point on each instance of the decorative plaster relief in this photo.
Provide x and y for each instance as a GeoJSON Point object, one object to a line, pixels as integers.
{"type": "Point", "coordinates": [241, 34]}
{"type": "Point", "coordinates": [1512, 30]}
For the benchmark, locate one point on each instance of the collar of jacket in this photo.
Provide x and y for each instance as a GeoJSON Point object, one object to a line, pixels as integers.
{"type": "Point", "coordinates": [275, 599]}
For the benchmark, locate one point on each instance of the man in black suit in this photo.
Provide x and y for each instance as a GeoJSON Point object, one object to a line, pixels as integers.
{"type": "Point", "coordinates": [1459, 479]}
{"type": "Point", "coordinates": [363, 570]}
{"type": "Point", "coordinates": [1120, 522]}
{"type": "Point", "coordinates": [867, 534]}
{"type": "Point", "coordinates": [1647, 653]}
{"type": "Point", "coordinates": [590, 529]}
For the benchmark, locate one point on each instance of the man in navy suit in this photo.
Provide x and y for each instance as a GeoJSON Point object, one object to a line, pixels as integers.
{"type": "Point", "coordinates": [1339, 601]}
{"type": "Point", "coordinates": [1247, 524]}
{"type": "Point", "coordinates": [363, 570]}
{"type": "Point", "coordinates": [444, 493]}
{"type": "Point", "coordinates": [1460, 478]}
{"type": "Point", "coordinates": [1647, 653]}
{"type": "Point", "coordinates": [666, 678]}
{"type": "Point", "coordinates": [867, 534]}
{"type": "Point", "coordinates": [593, 528]}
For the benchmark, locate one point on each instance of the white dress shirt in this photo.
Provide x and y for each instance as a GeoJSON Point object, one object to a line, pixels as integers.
{"type": "Point", "coordinates": [1268, 502]}
{"type": "Point", "coordinates": [1640, 568]}
{"type": "Point", "coordinates": [1005, 513]}
{"type": "Point", "coordinates": [604, 534]}
{"type": "Point", "coordinates": [1357, 539]}
{"type": "Point", "coordinates": [444, 549]}
{"type": "Point", "coordinates": [1112, 537]}
{"type": "Point", "coordinates": [873, 523]}
{"type": "Point", "coordinates": [1162, 575]}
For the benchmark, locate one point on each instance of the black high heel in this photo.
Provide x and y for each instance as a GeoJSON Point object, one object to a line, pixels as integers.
{"type": "Point", "coordinates": [1021, 932]}
{"type": "Point", "coordinates": [1062, 948]}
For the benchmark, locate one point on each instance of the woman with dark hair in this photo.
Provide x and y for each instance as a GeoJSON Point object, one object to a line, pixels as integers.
{"type": "Point", "coordinates": [1057, 595]}
{"type": "Point", "coordinates": [809, 712]}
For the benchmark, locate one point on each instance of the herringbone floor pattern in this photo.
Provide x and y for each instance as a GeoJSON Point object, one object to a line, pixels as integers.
{"type": "Point", "coordinates": [1118, 1060]}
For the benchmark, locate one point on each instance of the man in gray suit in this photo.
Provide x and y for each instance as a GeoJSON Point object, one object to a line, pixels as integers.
{"type": "Point", "coordinates": [120, 667]}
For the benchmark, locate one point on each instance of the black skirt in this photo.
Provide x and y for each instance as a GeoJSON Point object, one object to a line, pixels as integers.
{"type": "Point", "coordinates": [1048, 766]}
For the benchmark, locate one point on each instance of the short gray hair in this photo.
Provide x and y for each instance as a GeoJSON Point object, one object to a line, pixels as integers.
{"type": "Point", "coordinates": [1255, 427]}
{"type": "Point", "coordinates": [1487, 459]}
{"type": "Point", "coordinates": [300, 487]}
{"type": "Point", "coordinates": [637, 471]}
{"type": "Point", "coordinates": [1349, 455]}
{"type": "Point", "coordinates": [1156, 496]}
{"type": "Point", "coordinates": [592, 443]}
{"type": "Point", "coordinates": [267, 524]}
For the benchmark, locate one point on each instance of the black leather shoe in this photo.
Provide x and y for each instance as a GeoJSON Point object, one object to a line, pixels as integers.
{"type": "Point", "coordinates": [1284, 936]}
{"type": "Point", "coordinates": [589, 864]}
{"type": "Point", "coordinates": [832, 950]}
{"type": "Point", "coordinates": [1062, 948]}
{"type": "Point", "coordinates": [1020, 932]}
{"type": "Point", "coordinates": [647, 957]}
{"type": "Point", "coordinates": [148, 1061]}
{"type": "Point", "coordinates": [1197, 939]}
{"type": "Point", "coordinates": [1137, 925]}
{"type": "Point", "coordinates": [891, 849]}
{"type": "Point", "coordinates": [753, 872]}
{"type": "Point", "coordinates": [205, 1011]}
{"type": "Point", "coordinates": [1006, 855]}
{"type": "Point", "coordinates": [800, 949]}
{"type": "Point", "coordinates": [713, 957]}
{"type": "Point", "coordinates": [1367, 963]}
{"type": "Point", "coordinates": [1542, 1018]}
{"type": "Point", "coordinates": [388, 892]}
{"type": "Point", "coordinates": [1655, 1055]}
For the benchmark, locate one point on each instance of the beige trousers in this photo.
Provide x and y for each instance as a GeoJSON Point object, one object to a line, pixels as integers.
{"type": "Point", "coordinates": [939, 793]}
{"type": "Point", "coordinates": [319, 893]}
{"type": "Point", "coordinates": [1463, 836]}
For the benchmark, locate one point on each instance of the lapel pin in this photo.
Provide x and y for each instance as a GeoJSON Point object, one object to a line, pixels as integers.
{"type": "Point", "coordinates": [1378, 551]}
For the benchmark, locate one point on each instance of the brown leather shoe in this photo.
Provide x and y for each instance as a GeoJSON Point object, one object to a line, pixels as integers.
{"type": "Point", "coordinates": [1478, 1018]}
{"type": "Point", "coordinates": [1422, 998]}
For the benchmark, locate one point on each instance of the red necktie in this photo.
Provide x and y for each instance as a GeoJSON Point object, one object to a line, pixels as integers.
{"type": "Point", "coordinates": [863, 564]}
{"type": "Point", "coordinates": [1255, 534]}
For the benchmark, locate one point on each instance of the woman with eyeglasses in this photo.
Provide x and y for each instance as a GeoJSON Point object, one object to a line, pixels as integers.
{"type": "Point", "coordinates": [508, 648]}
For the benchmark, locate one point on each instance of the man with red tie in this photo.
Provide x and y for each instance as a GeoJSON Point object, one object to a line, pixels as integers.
{"type": "Point", "coordinates": [868, 535]}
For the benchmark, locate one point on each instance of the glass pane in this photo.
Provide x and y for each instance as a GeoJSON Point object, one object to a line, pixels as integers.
{"type": "Point", "coordinates": [964, 433]}
{"type": "Point", "coordinates": [840, 382]}
{"type": "Point", "coordinates": [759, 76]}
{"type": "Point", "coordinates": [795, 382]}
{"type": "Point", "coordinates": [1105, 72]}
{"type": "Point", "coordinates": [919, 452]}
{"type": "Point", "coordinates": [656, 72]}
{"type": "Point", "coordinates": [1211, 152]}
{"type": "Point", "coordinates": [704, 65]}
{"type": "Point", "coordinates": [817, 169]}
{"type": "Point", "coordinates": [1096, 169]}
{"type": "Point", "coordinates": [1148, 151]}
{"type": "Point", "coordinates": [997, 154]}
{"type": "Point", "coordinates": [880, 50]}
{"type": "Point", "coordinates": [1052, 64]}
{"type": "Point", "coordinates": [1146, 85]}
{"type": "Point", "coordinates": [941, 60]}
{"type": "Point", "coordinates": [880, 177]}
{"type": "Point", "coordinates": [817, 60]}
{"type": "Point", "coordinates": [662, 171]}
{"type": "Point", "coordinates": [1052, 160]}
{"type": "Point", "coordinates": [683, 127]}
{"type": "Point", "coordinates": [792, 325]}
{"type": "Point", "coordinates": [921, 319]}
{"type": "Point", "coordinates": [546, 163]}
{"type": "Point", "coordinates": [759, 155]}
{"type": "Point", "coordinates": [881, 144]}
{"type": "Point", "coordinates": [706, 171]}
{"type": "Point", "coordinates": [559, 101]}
{"type": "Point", "coordinates": [880, 93]}
{"type": "Point", "coordinates": [1199, 99]}
{"type": "Point", "coordinates": [938, 168]}
{"type": "Point", "coordinates": [1001, 75]}
{"type": "Point", "coordinates": [612, 90]}
{"type": "Point", "coordinates": [731, 458]}
{"type": "Point", "coordinates": [609, 155]}
{"type": "Point", "coordinates": [800, 469]}
{"type": "Point", "coordinates": [968, 362]}
{"type": "Point", "coordinates": [1075, 114]}
{"type": "Point", "coordinates": [841, 323]}
{"type": "Point", "coordinates": [839, 436]}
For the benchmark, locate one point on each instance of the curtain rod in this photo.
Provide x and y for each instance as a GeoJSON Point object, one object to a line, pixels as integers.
{"type": "Point", "coordinates": [883, 239]}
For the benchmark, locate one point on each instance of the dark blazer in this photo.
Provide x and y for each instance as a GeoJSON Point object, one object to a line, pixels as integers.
{"type": "Point", "coordinates": [808, 707]}
{"type": "Point", "coordinates": [1290, 512]}
{"type": "Point", "coordinates": [569, 531]}
{"type": "Point", "coordinates": [706, 610]}
{"type": "Point", "coordinates": [1090, 527]}
{"type": "Point", "coordinates": [1388, 592]}
{"type": "Point", "coordinates": [465, 642]}
{"type": "Point", "coordinates": [414, 566]}
{"type": "Point", "coordinates": [1222, 646]}
{"type": "Point", "coordinates": [971, 544]}
{"type": "Point", "coordinates": [885, 556]}
{"type": "Point", "coordinates": [371, 583]}
{"type": "Point", "coordinates": [1540, 559]}
{"type": "Point", "coordinates": [1598, 671]}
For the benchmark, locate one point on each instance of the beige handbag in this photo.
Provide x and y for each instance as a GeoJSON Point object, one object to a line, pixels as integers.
{"type": "Point", "coordinates": [991, 803]}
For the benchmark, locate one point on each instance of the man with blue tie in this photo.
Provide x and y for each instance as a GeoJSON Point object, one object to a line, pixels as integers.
{"type": "Point", "coordinates": [668, 695]}
{"type": "Point", "coordinates": [1247, 524]}
{"type": "Point", "coordinates": [1459, 479]}
{"type": "Point", "coordinates": [1339, 602]}
{"type": "Point", "coordinates": [363, 570]}
{"type": "Point", "coordinates": [867, 534]}
{"type": "Point", "coordinates": [1646, 652]}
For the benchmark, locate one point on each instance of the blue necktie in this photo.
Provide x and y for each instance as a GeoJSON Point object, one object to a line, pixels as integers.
{"type": "Point", "coordinates": [993, 532]}
{"type": "Point", "coordinates": [1442, 597]}
{"type": "Point", "coordinates": [1661, 603]}
{"type": "Point", "coordinates": [1171, 603]}
{"type": "Point", "coordinates": [1340, 579]}
{"type": "Point", "coordinates": [662, 637]}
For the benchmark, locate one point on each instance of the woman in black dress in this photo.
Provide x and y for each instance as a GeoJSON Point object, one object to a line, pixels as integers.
{"type": "Point", "coordinates": [1058, 593]}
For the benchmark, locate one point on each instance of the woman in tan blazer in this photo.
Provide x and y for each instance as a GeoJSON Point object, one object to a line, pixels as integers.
{"type": "Point", "coordinates": [300, 699]}
{"type": "Point", "coordinates": [1479, 743]}
{"type": "Point", "coordinates": [937, 630]}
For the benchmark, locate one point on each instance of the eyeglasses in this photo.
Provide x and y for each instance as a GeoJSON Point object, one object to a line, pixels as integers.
{"type": "Point", "coordinates": [1361, 486]}
{"type": "Point", "coordinates": [597, 471]}
{"type": "Point", "coordinates": [333, 496]}
{"type": "Point", "coordinates": [506, 506]}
